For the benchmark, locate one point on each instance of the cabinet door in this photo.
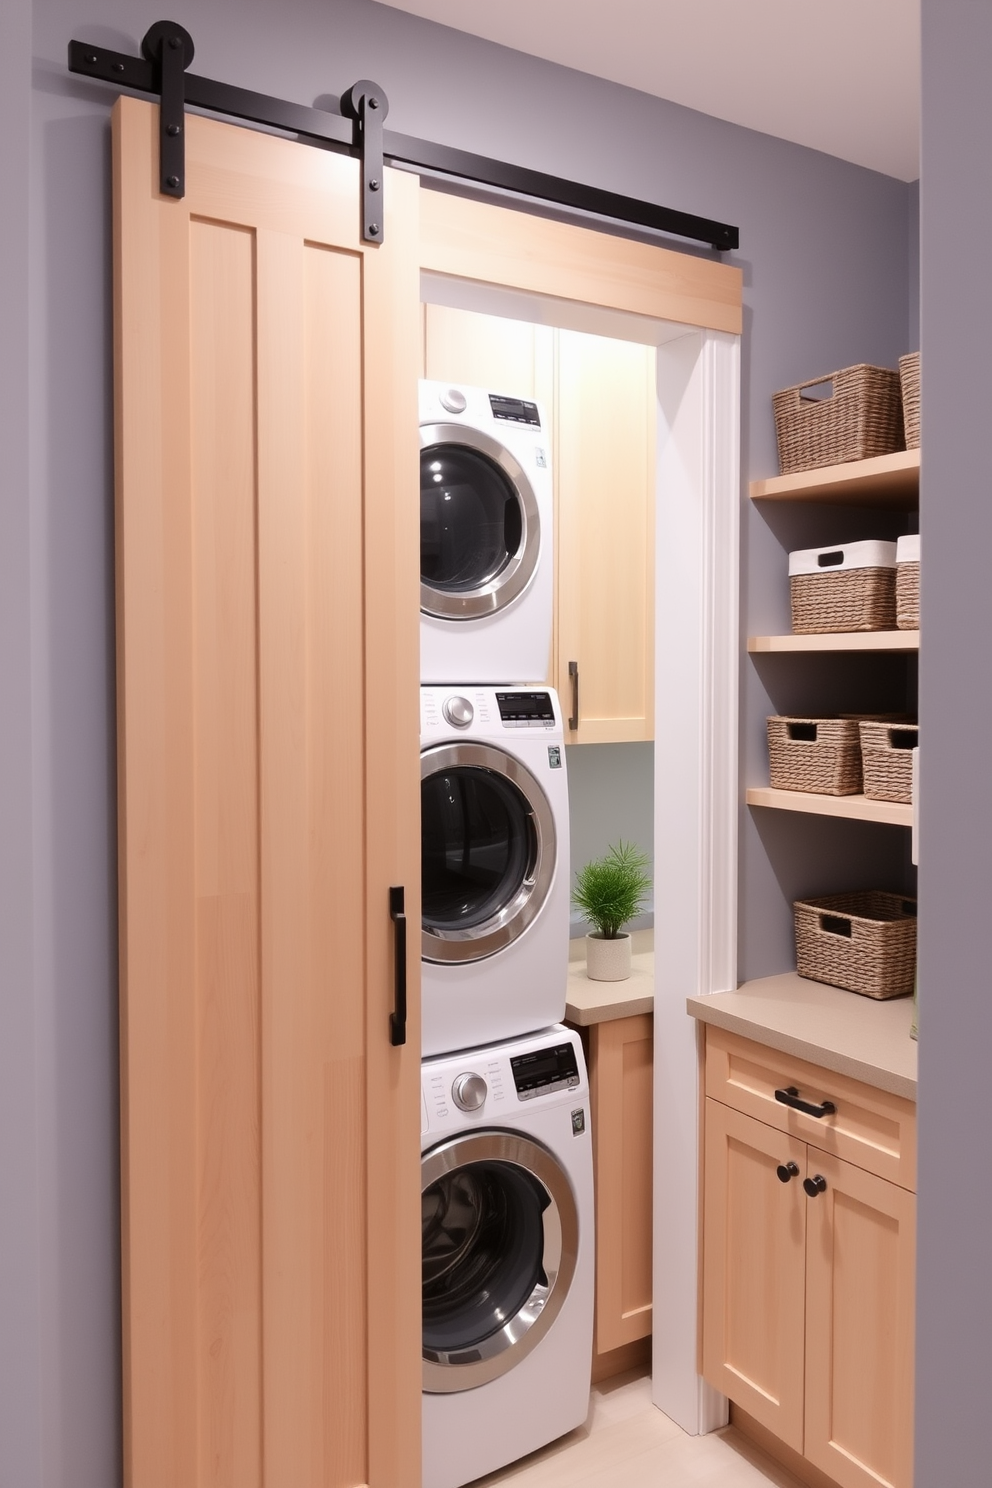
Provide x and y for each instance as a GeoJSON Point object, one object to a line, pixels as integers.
{"type": "Point", "coordinates": [860, 1250]}
{"type": "Point", "coordinates": [266, 610]}
{"type": "Point", "coordinates": [754, 1241]}
{"type": "Point", "coordinates": [511, 357]}
{"type": "Point", "coordinates": [621, 1070]}
{"type": "Point", "coordinates": [604, 454]}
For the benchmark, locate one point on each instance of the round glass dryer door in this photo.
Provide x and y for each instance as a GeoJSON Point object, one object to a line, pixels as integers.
{"type": "Point", "coordinates": [480, 531]}
{"type": "Point", "coordinates": [500, 1237]}
{"type": "Point", "coordinates": [488, 847]}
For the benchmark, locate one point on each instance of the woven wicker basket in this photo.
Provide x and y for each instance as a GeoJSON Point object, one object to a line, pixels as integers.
{"type": "Point", "coordinates": [861, 418]}
{"type": "Point", "coordinates": [887, 760]}
{"type": "Point", "coordinates": [908, 582]}
{"type": "Point", "coordinates": [814, 754]}
{"type": "Point", "coordinates": [909, 376]}
{"type": "Point", "coordinates": [851, 599]}
{"type": "Point", "coordinates": [864, 942]}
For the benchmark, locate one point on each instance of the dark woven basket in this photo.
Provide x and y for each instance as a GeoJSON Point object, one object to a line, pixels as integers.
{"type": "Point", "coordinates": [909, 376]}
{"type": "Point", "coordinates": [887, 760]}
{"type": "Point", "coordinates": [864, 942]}
{"type": "Point", "coordinates": [861, 418]}
{"type": "Point", "coordinates": [843, 600]}
{"type": "Point", "coordinates": [908, 595]}
{"type": "Point", "coordinates": [822, 755]}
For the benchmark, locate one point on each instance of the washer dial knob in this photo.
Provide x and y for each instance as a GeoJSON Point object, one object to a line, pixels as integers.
{"type": "Point", "coordinates": [458, 711]}
{"type": "Point", "coordinates": [454, 400]}
{"type": "Point", "coordinates": [469, 1092]}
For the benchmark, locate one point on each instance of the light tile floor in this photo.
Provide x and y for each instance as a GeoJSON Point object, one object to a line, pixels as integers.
{"type": "Point", "coordinates": [627, 1441]}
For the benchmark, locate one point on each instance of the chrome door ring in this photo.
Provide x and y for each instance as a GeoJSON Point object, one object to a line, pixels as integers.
{"type": "Point", "coordinates": [516, 574]}
{"type": "Point", "coordinates": [512, 919]}
{"type": "Point", "coordinates": [464, 1369]}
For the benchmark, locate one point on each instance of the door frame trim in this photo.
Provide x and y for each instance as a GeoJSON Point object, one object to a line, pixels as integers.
{"type": "Point", "coordinates": [695, 308]}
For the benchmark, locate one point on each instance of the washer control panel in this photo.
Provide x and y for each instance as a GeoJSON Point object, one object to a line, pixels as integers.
{"type": "Point", "coordinates": [526, 709]}
{"type": "Point", "coordinates": [498, 1083]}
{"type": "Point", "coordinates": [543, 1071]}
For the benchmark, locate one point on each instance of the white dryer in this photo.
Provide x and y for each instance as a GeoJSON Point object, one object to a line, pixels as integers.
{"type": "Point", "coordinates": [486, 520]}
{"type": "Point", "coordinates": [494, 864]}
{"type": "Point", "coordinates": [508, 1236]}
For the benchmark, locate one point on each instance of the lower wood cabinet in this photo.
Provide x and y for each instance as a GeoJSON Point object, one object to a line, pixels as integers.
{"type": "Point", "coordinates": [621, 1074]}
{"type": "Point", "coordinates": [808, 1269]}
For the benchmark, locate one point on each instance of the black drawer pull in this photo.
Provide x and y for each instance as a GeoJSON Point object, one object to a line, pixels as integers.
{"type": "Point", "coordinates": [815, 1185]}
{"type": "Point", "coordinates": [790, 1097]}
{"type": "Point", "coordinates": [785, 1171]}
{"type": "Point", "coordinates": [397, 1018]}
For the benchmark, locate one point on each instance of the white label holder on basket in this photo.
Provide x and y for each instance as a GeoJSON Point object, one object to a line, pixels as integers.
{"type": "Point", "coordinates": [842, 557]}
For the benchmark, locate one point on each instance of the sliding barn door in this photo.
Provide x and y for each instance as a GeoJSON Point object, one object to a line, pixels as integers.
{"type": "Point", "coordinates": [267, 572]}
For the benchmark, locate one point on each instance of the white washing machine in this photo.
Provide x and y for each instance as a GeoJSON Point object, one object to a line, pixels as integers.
{"type": "Point", "coordinates": [486, 520]}
{"type": "Point", "coordinates": [508, 1236]}
{"type": "Point", "coordinates": [494, 864]}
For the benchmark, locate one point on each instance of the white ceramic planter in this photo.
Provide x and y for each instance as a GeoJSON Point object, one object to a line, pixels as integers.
{"type": "Point", "coordinates": [608, 960]}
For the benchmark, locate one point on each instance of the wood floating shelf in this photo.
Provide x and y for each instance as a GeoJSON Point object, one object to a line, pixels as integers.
{"type": "Point", "coordinates": [854, 808]}
{"type": "Point", "coordinates": [864, 640]}
{"type": "Point", "coordinates": [886, 480]}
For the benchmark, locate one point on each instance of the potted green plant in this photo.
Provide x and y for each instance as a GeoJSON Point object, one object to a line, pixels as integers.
{"type": "Point", "coordinates": [609, 891]}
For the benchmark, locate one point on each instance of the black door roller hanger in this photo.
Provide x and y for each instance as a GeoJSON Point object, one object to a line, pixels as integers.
{"type": "Point", "coordinates": [161, 70]}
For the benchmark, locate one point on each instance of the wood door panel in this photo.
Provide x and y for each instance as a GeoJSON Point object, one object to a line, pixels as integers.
{"type": "Point", "coordinates": [621, 1070]}
{"type": "Point", "coordinates": [226, 863]}
{"type": "Point", "coordinates": [267, 588]}
{"type": "Point", "coordinates": [859, 1327]}
{"type": "Point", "coordinates": [754, 1269]}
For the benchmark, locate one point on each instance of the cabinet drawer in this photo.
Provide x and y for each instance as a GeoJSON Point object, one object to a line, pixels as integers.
{"type": "Point", "coordinates": [870, 1127]}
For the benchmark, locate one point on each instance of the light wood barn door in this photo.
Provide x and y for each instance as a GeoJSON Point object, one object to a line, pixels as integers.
{"type": "Point", "coordinates": [268, 749]}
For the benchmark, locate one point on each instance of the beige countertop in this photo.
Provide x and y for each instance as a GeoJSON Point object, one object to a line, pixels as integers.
{"type": "Point", "coordinates": [599, 1002]}
{"type": "Point", "coordinates": [853, 1035]}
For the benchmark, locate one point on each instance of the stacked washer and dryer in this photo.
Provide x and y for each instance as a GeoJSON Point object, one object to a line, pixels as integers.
{"type": "Point", "coordinates": [506, 1166]}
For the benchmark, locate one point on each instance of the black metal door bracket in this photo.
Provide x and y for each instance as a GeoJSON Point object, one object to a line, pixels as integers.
{"type": "Point", "coordinates": [360, 135]}
{"type": "Point", "coordinates": [366, 103]}
{"type": "Point", "coordinates": [170, 49]}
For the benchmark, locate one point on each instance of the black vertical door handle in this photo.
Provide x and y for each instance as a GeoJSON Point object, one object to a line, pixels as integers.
{"type": "Point", "coordinates": [397, 1018]}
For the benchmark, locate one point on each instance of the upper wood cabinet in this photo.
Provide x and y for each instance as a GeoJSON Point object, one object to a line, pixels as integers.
{"type": "Point", "coordinates": [604, 462]}
{"type": "Point", "coordinates": [600, 396]}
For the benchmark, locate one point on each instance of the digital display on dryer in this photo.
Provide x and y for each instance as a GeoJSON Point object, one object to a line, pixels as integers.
{"type": "Point", "coordinates": [515, 410]}
{"type": "Point", "coordinates": [523, 708]}
{"type": "Point", "coordinates": [544, 1071]}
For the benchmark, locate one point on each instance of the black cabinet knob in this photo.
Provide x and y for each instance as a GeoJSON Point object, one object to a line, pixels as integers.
{"type": "Point", "coordinates": [785, 1171]}
{"type": "Point", "coordinates": [815, 1185]}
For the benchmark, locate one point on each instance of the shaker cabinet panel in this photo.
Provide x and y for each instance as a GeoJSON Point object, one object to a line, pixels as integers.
{"type": "Point", "coordinates": [621, 1072]}
{"type": "Point", "coordinates": [605, 453]}
{"type": "Point", "coordinates": [859, 1327]}
{"type": "Point", "coordinates": [753, 1269]}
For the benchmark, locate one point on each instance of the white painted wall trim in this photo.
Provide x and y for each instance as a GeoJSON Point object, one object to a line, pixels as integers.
{"type": "Point", "coordinates": [696, 788]}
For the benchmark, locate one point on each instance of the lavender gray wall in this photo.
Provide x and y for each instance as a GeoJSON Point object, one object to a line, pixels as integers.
{"type": "Point", "coordinates": [825, 262]}
{"type": "Point", "coordinates": [954, 1373]}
